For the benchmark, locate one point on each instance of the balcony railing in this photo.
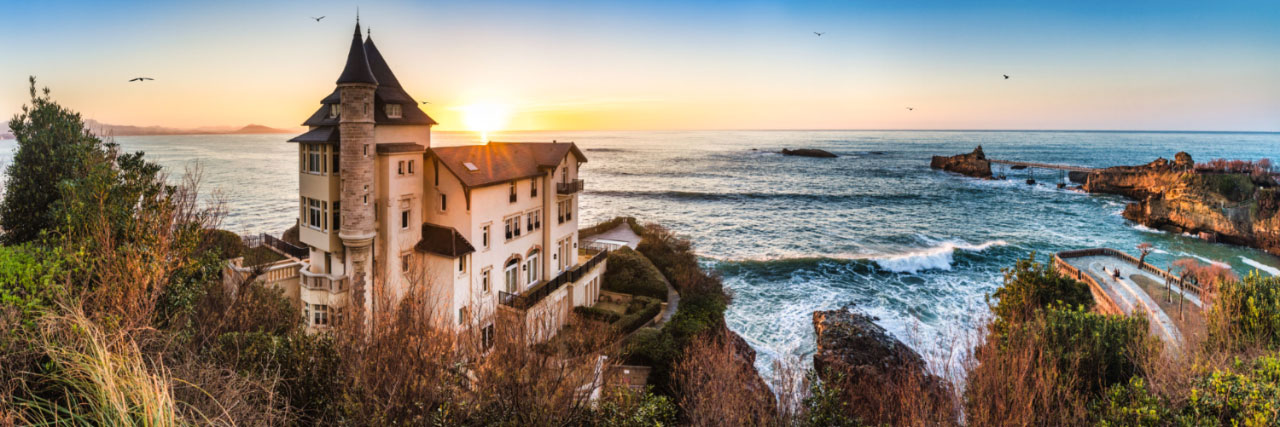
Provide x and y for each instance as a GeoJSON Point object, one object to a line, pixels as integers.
{"type": "Point", "coordinates": [570, 187]}
{"type": "Point", "coordinates": [533, 296]}
{"type": "Point", "coordinates": [274, 242]}
{"type": "Point", "coordinates": [322, 282]}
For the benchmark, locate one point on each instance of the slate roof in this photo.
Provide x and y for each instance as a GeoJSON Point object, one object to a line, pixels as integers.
{"type": "Point", "coordinates": [389, 90]}
{"type": "Point", "coordinates": [500, 162]}
{"type": "Point", "coordinates": [399, 147]}
{"type": "Point", "coordinates": [357, 68]}
{"type": "Point", "coordinates": [319, 135]}
{"type": "Point", "coordinates": [444, 241]}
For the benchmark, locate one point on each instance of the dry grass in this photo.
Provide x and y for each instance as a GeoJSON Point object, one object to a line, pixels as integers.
{"type": "Point", "coordinates": [716, 388]}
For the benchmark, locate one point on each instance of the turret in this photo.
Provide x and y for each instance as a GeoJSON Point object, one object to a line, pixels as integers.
{"type": "Point", "coordinates": [356, 88]}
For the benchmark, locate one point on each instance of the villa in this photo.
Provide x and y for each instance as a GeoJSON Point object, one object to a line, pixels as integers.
{"type": "Point", "coordinates": [487, 234]}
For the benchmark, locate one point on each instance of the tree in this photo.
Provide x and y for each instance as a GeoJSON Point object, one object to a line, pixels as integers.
{"type": "Point", "coordinates": [53, 147]}
{"type": "Point", "coordinates": [1144, 248]}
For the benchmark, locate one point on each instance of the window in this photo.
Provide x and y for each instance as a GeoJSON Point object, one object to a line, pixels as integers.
{"type": "Point", "coordinates": [531, 267]}
{"type": "Point", "coordinates": [320, 313]}
{"type": "Point", "coordinates": [462, 264]}
{"type": "Point", "coordinates": [486, 336]}
{"type": "Point", "coordinates": [513, 192]}
{"type": "Point", "coordinates": [484, 280]}
{"type": "Point", "coordinates": [334, 109]}
{"type": "Point", "coordinates": [564, 213]}
{"type": "Point", "coordinates": [404, 262]}
{"type": "Point", "coordinates": [313, 213]}
{"type": "Point", "coordinates": [444, 202]}
{"type": "Point", "coordinates": [512, 273]}
{"type": "Point", "coordinates": [335, 166]}
{"type": "Point", "coordinates": [529, 220]}
{"type": "Point", "coordinates": [484, 236]}
{"type": "Point", "coordinates": [324, 214]}
{"type": "Point", "coordinates": [411, 167]}
{"type": "Point", "coordinates": [393, 111]}
{"type": "Point", "coordinates": [533, 187]}
{"type": "Point", "coordinates": [534, 219]}
{"type": "Point", "coordinates": [400, 168]}
{"type": "Point", "coordinates": [337, 217]}
{"type": "Point", "coordinates": [513, 227]}
{"type": "Point", "coordinates": [314, 159]}
{"type": "Point", "coordinates": [462, 315]}
{"type": "Point", "coordinates": [404, 219]}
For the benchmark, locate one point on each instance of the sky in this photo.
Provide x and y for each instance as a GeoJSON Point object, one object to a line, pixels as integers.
{"type": "Point", "coordinates": [621, 65]}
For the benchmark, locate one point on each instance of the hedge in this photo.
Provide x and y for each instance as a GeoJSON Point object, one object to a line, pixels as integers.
{"type": "Point", "coordinates": [638, 318]}
{"type": "Point", "coordinates": [630, 272]}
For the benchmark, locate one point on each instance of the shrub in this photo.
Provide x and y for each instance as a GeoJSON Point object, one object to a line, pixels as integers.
{"type": "Point", "coordinates": [650, 347]}
{"type": "Point", "coordinates": [1250, 398]}
{"type": "Point", "coordinates": [623, 407]}
{"type": "Point", "coordinates": [637, 318]}
{"type": "Point", "coordinates": [1029, 287]}
{"type": "Point", "coordinates": [596, 313]}
{"type": "Point", "coordinates": [1098, 349]}
{"type": "Point", "coordinates": [308, 366]}
{"type": "Point", "coordinates": [1246, 313]}
{"type": "Point", "coordinates": [1130, 404]}
{"type": "Point", "coordinates": [825, 404]}
{"type": "Point", "coordinates": [225, 244]}
{"type": "Point", "coordinates": [31, 278]}
{"type": "Point", "coordinates": [631, 273]}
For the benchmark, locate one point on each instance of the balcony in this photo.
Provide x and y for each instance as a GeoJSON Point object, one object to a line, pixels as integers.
{"type": "Point", "coordinates": [531, 297]}
{"type": "Point", "coordinates": [323, 282]}
{"type": "Point", "coordinates": [566, 188]}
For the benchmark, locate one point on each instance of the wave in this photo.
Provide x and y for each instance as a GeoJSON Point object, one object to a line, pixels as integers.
{"type": "Point", "coordinates": [1144, 228]}
{"type": "Point", "coordinates": [935, 258]}
{"type": "Point", "coordinates": [707, 196]}
{"type": "Point", "coordinates": [1269, 269]}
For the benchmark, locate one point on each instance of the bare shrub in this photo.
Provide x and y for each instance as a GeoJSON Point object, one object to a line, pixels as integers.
{"type": "Point", "coordinates": [716, 388]}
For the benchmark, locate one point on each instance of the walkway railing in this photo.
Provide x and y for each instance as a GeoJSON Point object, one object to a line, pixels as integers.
{"type": "Point", "coordinates": [1106, 303]}
{"type": "Point", "coordinates": [1147, 267]}
{"type": "Point", "coordinates": [531, 297]}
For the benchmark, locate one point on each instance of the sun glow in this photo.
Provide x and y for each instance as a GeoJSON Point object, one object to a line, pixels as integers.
{"type": "Point", "coordinates": [485, 118]}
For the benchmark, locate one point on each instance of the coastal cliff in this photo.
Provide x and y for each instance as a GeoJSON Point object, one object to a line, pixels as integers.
{"type": "Point", "coordinates": [870, 365]}
{"type": "Point", "coordinates": [973, 164]}
{"type": "Point", "coordinates": [1231, 207]}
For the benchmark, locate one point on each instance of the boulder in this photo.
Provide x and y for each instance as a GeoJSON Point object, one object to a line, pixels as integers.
{"type": "Point", "coordinates": [881, 378]}
{"type": "Point", "coordinates": [973, 164]}
{"type": "Point", "coordinates": [809, 152]}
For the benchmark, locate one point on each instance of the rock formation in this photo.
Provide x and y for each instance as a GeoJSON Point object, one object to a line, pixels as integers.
{"type": "Point", "coordinates": [875, 370]}
{"type": "Point", "coordinates": [974, 164]}
{"type": "Point", "coordinates": [1236, 208]}
{"type": "Point", "coordinates": [809, 152]}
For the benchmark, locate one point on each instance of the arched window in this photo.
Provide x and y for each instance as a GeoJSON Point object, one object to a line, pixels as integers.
{"type": "Point", "coordinates": [512, 273]}
{"type": "Point", "coordinates": [532, 264]}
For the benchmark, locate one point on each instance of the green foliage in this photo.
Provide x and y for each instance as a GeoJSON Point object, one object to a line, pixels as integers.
{"type": "Point", "coordinates": [31, 278]}
{"type": "Point", "coordinates": [597, 313]}
{"type": "Point", "coordinates": [53, 147]}
{"type": "Point", "coordinates": [639, 314]}
{"type": "Point", "coordinates": [623, 407]}
{"type": "Point", "coordinates": [1096, 349]}
{"type": "Point", "coordinates": [1235, 187]}
{"type": "Point", "coordinates": [1251, 398]}
{"type": "Point", "coordinates": [1029, 287]}
{"type": "Point", "coordinates": [825, 405]}
{"type": "Point", "coordinates": [225, 244]}
{"type": "Point", "coordinates": [1246, 313]}
{"type": "Point", "coordinates": [308, 366]}
{"type": "Point", "coordinates": [1130, 404]}
{"type": "Point", "coordinates": [650, 347]}
{"type": "Point", "coordinates": [631, 273]}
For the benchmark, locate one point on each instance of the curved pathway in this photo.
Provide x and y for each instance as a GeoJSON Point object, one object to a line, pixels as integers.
{"type": "Point", "coordinates": [1129, 296]}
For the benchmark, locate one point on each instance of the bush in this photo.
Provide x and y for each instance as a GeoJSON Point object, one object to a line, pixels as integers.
{"type": "Point", "coordinates": [650, 347]}
{"type": "Point", "coordinates": [1099, 350]}
{"type": "Point", "coordinates": [596, 313]}
{"type": "Point", "coordinates": [637, 318]}
{"type": "Point", "coordinates": [308, 366]}
{"type": "Point", "coordinates": [1029, 287]}
{"type": "Point", "coordinates": [1130, 404]}
{"type": "Point", "coordinates": [623, 407]}
{"type": "Point", "coordinates": [630, 272]}
{"type": "Point", "coordinates": [1249, 398]}
{"type": "Point", "coordinates": [31, 278]}
{"type": "Point", "coordinates": [225, 244]}
{"type": "Point", "coordinates": [1246, 313]}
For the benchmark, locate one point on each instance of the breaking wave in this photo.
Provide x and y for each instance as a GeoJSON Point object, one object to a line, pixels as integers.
{"type": "Point", "coordinates": [1269, 269]}
{"type": "Point", "coordinates": [935, 258]}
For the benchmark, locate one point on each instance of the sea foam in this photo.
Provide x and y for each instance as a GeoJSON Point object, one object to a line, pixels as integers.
{"type": "Point", "coordinates": [1269, 269]}
{"type": "Point", "coordinates": [934, 258]}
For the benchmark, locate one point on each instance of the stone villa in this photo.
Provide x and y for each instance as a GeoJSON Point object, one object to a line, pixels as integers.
{"type": "Point", "coordinates": [485, 233]}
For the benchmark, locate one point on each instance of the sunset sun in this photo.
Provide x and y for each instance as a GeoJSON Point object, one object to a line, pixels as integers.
{"type": "Point", "coordinates": [485, 118]}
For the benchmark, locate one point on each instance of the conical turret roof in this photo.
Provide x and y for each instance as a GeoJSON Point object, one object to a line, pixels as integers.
{"type": "Point", "coordinates": [357, 69]}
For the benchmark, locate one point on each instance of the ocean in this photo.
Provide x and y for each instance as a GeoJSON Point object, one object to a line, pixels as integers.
{"type": "Point", "coordinates": [919, 249]}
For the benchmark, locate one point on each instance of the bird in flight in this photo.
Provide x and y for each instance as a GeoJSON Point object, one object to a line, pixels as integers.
{"type": "Point", "coordinates": [138, 79]}
{"type": "Point", "coordinates": [819, 34]}
{"type": "Point", "coordinates": [317, 19]}
{"type": "Point", "coordinates": [1006, 76]}
{"type": "Point", "coordinates": [426, 102]}
{"type": "Point", "coordinates": [911, 109]}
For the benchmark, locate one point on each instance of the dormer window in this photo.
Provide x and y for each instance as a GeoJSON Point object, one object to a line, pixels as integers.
{"type": "Point", "coordinates": [334, 109]}
{"type": "Point", "coordinates": [393, 111]}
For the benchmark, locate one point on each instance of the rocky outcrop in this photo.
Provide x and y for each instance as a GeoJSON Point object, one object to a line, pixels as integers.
{"type": "Point", "coordinates": [809, 152]}
{"type": "Point", "coordinates": [973, 164]}
{"type": "Point", "coordinates": [1232, 208]}
{"type": "Point", "coordinates": [879, 375]}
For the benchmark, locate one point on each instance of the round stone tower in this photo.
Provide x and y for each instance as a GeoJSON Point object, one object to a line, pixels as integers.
{"type": "Point", "coordinates": [356, 88]}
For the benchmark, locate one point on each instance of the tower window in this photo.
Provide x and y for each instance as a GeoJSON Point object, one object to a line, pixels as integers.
{"type": "Point", "coordinates": [334, 110]}
{"type": "Point", "coordinates": [404, 219]}
{"type": "Point", "coordinates": [393, 111]}
{"type": "Point", "coordinates": [444, 202]}
{"type": "Point", "coordinates": [411, 167]}
{"type": "Point", "coordinates": [400, 167]}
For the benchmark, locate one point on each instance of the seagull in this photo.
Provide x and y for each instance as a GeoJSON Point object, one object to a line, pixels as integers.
{"type": "Point", "coordinates": [317, 19]}
{"type": "Point", "coordinates": [426, 102]}
{"type": "Point", "coordinates": [1006, 76]}
{"type": "Point", "coordinates": [911, 109]}
{"type": "Point", "coordinates": [138, 79]}
{"type": "Point", "coordinates": [819, 34]}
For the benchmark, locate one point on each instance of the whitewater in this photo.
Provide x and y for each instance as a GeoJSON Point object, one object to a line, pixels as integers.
{"type": "Point", "coordinates": [917, 248]}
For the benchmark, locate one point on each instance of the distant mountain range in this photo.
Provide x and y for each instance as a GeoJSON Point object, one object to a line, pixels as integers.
{"type": "Point", "coordinates": [126, 130]}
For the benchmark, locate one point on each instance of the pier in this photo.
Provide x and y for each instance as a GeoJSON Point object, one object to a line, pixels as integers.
{"type": "Point", "coordinates": [1068, 168]}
